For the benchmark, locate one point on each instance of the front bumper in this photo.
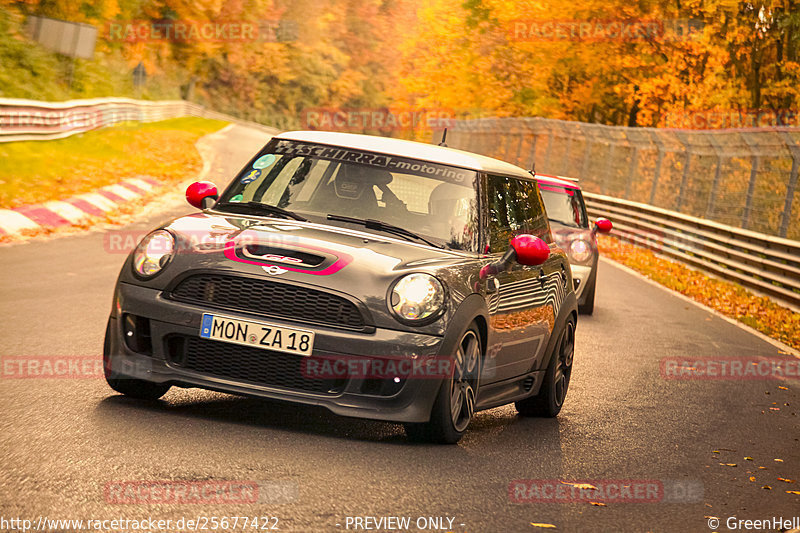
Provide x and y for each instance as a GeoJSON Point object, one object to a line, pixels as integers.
{"type": "Point", "coordinates": [583, 274]}
{"type": "Point", "coordinates": [409, 401]}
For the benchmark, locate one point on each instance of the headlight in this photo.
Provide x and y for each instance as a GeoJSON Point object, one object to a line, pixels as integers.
{"type": "Point", "coordinates": [416, 297]}
{"type": "Point", "coordinates": [153, 253]}
{"type": "Point", "coordinates": [580, 251]}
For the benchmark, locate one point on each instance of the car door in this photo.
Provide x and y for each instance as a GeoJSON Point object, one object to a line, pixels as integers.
{"type": "Point", "coordinates": [521, 299]}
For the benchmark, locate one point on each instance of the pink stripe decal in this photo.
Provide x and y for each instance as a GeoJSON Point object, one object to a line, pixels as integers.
{"type": "Point", "coordinates": [342, 260]}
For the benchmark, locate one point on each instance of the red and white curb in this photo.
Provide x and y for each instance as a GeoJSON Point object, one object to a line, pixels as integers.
{"type": "Point", "coordinates": [76, 209]}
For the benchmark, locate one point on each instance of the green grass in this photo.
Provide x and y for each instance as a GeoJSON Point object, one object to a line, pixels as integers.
{"type": "Point", "coordinates": [37, 171]}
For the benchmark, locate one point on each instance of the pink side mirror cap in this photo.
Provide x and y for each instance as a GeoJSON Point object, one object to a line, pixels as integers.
{"type": "Point", "coordinates": [603, 225]}
{"type": "Point", "coordinates": [530, 250]}
{"type": "Point", "coordinates": [198, 191]}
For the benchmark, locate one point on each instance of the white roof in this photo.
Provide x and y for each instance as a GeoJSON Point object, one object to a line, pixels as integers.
{"type": "Point", "coordinates": [411, 149]}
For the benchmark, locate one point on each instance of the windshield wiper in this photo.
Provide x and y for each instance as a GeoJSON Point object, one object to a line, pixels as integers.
{"type": "Point", "coordinates": [259, 209]}
{"type": "Point", "coordinates": [384, 226]}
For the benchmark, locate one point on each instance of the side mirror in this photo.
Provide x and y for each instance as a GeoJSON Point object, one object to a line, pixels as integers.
{"type": "Point", "coordinates": [602, 225]}
{"type": "Point", "coordinates": [530, 250]}
{"type": "Point", "coordinates": [525, 249]}
{"type": "Point", "coordinates": [201, 194]}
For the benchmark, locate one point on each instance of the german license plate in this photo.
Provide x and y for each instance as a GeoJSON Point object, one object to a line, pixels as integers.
{"type": "Point", "coordinates": [257, 334]}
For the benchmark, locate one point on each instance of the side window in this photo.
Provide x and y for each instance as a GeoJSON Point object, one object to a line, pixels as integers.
{"type": "Point", "coordinates": [535, 214]}
{"type": "Point", "coordinates": [514, 207]}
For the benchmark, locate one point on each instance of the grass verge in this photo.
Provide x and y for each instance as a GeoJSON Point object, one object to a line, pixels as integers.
{"type": "Point", "coordinates": [730, 299]}
{"type": "Point", "coordinates": [32, 172]}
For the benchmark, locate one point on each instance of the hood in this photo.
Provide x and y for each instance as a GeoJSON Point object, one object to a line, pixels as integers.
{"type": "Point", "coordinates": [347, 261]}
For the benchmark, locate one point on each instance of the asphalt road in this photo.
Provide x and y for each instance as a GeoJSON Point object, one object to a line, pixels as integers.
{"type": "Point", "coordinates": [63, 440]}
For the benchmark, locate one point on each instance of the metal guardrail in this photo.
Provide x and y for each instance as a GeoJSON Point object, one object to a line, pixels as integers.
{"type": "Point", "coordinates": [744, 177]}
{"type": "Point", "coordinates": [30, 120]}
{"type": "Point", "coordinates": [764, 263]}
{"type": "Point", "coordinates": [27, 120]}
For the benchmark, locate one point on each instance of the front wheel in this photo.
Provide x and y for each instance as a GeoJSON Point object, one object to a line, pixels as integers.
{"type": "Point", "coordinates": [551, 396]}
{"type": "Point", "coordinates": [455, 403]}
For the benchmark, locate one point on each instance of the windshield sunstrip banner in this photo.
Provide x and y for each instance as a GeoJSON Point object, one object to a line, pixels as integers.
{"type": "Point", "coordinates": [382, 161]}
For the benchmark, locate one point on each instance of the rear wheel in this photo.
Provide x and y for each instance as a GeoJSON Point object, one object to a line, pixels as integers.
{"type": "Point", "coordinates": [455, 403]}
{"type": "Point", "coordinates": [551, 396]}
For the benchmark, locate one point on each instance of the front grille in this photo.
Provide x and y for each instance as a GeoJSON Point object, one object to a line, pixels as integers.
{"type": "Point", "coordinates": [269, 298]}
{"type": "Point", "coordinates": [245, 364]}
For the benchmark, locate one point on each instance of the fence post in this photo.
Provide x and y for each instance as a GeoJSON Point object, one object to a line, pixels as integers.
{"type": "Point", "coordinates": [687, 160]}
{"type": "Point", "coordinates": [612, 147]}
{"type": "Point", "coordinates": [547, 151]}
{"type": "Point", "coordinates": [657, 170]}
{"type": "Point", "coordinates": [565, 158]}
{"type": "Point", "coordinates": [751, 186]}
{"type": "Point", "coordinates": [712, 194]}
{"type": "Point", "coordinates": [587, 153]}
{"type": "Point", "coordinates": [787, 205]}
{"type": "Point", "coordinates": [517, 158]}
{"type": "Point", "coordinates": [632, 172]}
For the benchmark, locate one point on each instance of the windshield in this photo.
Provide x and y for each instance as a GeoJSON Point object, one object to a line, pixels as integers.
{"type": "Point", "coordinates": [434, 201]}
{"type": "Point", "coordinates": [564, 205]}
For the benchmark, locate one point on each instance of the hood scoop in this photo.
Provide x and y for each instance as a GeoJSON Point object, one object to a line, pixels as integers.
{"type": "Point", "coordinates": [270, 254]}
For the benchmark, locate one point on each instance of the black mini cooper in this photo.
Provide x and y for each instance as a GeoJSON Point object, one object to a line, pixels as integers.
{"type": "Point", "coordinates": [379, 278]}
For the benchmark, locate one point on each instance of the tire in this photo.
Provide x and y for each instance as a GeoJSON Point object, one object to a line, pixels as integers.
{"type": "Point", "coordinates": [455, 402]}
{"type": "Point", "coordinates": [135, 388]}
{"type": "Point", "coordinates": [587, 307]}
{"type": "Point", "coordinates": [548, 402]}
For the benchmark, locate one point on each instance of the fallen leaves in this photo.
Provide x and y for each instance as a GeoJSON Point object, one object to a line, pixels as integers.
{"type": "Point", "coordinates": [785, 480]}
{"type": "Point", "coordinates": [793, 492]}
{"type": "Point", "coordinates": [582, 486]}
{"type": "Point", "coordinates": [728, 464]}
{"type": "Point", "coordinates": [598, 504]}
{"type": "Point", "coordinates": [538, 524]}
